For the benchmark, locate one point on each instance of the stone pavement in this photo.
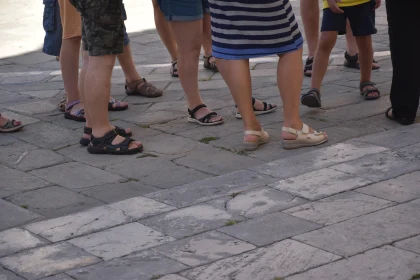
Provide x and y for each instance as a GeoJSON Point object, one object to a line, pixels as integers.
{"type": "Point", "coordinates": [195, 205]}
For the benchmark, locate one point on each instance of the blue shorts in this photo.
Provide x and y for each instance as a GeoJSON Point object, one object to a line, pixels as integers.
{"type": "Point", "coordinates": [184, 10]}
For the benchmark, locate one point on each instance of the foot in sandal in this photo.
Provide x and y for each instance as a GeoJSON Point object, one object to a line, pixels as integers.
{"type": "Point", "coordinates": [305, 137]}
{"type": "Point", "coordinates": [260, 108]}
{"type": "Point", "coordinates": [253, 139]}
{"type": "Point", "coordinates": [87, 133]}
{"type": "Point", "coordinates": [7, 126]}
{"type": "Point", "coordinates": [112, 143]}
{"type": "Point", "coordinates": [204, 116]}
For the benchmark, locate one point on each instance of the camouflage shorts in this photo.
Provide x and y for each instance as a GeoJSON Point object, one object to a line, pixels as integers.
{"type": "Point", "coordinates": [102, 26]}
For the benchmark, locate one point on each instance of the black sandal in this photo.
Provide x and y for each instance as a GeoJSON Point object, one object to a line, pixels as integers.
{"type": "Point", "coordinates": [79, 116]}
{"type": "Point", "coordinates": [117, 107]}
{"type": "Point", "coordinates": [268, 108]}
{"type": "Point", "coordinates": [366, 92]}
{"type": "Point", "coordinates": [403, 121]}
{"type": "Point", "coordinates": [204, 120]}
{"type": "Point", "coordinates": [103, 145]}
{"type": "Point", "coordinates": [311, 99]}
{"type": "Point", "coordinates": [352, 61]}
{"type": "Point", "coordinates": [210, 65]}
{"type": "Point", "coordinates": [174, 69]}
{"type": "Point", "coordinates": [88, 130]}
{"type": "Point", "coordinates": [308, 67]}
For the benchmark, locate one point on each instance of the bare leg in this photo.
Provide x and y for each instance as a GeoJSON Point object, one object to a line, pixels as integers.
{"type": "Point", "coordinates": [207, 35]}
{"type": "Point", "coordinates": [127, 64]}
{"type": "Point", "coordinates": [83, 72]}
{"type": "Point", "coordinates": [350, 41]}
{"type": "Point", "coordinates": [364, 44]}
{"type": "Point", "coordinates": [165, 32]}
{"type": "Point", "coordinates": [325, 46]}
{"type": "Point", "coordinates": [189, 44]}
{"type": "Point", "coordinates": [309, 11]}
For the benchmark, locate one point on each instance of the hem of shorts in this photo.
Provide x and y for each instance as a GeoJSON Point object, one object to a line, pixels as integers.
{"type": "Point", "coordinates": [70, 36]}
{"type": "Point", "coordinates": [340, 32]}
{"type": "Point", "coordinates": [103, 53]}
{"type": "Point", "coordinates": [233, 57]}
{"type": "Point", "coordinates": [51, 52]}
{"type": "Point", "coordinates": [126, 42]}
{"type": "Point", "coordinates": [184, 18]}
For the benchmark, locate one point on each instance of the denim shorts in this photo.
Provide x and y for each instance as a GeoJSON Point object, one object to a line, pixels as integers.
{"type": "Point", "coordinates": [52, 27]}
{"type": "Point", "coordinates": [184, 10]}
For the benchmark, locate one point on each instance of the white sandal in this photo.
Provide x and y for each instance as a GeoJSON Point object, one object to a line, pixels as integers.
{"type": "Point", "coordinates": [263, 138]}
{"type": "Point", "coordinates": [304, 138]}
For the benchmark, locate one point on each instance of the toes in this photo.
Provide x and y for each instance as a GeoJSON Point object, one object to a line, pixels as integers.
{"type": "Point", "coordinates": [128, 130]}
{"type": "Point", "coordinates": [16, 123]}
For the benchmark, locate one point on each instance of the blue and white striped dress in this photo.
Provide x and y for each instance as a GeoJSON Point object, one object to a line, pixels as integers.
{"type": "Point", "coordinates": [244, 29]}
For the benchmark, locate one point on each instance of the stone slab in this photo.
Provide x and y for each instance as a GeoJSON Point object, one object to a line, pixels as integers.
{"type": "Point", "coordinates": [7, 275]}
{"type": "Point", "coordinates": [319, 184]}
{"type": "Point", "coordinates": [367, 232]}
{"type": "Point", "coordinates": [15, 181]}
{"type": "Point", "coordinates": [172, 277]}
{"type": "Point", "coordinates": [204, 248]}
{"type": "Point", "coordinates": [410, 244]}
{"type": "Point", "coordinates": [154, 117]}
{"type": "Point", "coordinates": [35, 159]}
{"type": "Point", "coordinates": [12, 215]}
{"type": "Point", "coordinates": [211, 188]}
{"type": "Point", "coordinates": [76, 176]}
{"type": "Point", "coordinates": [34, 108]}
{"type": "Point", "coordinates": [78, 224]}
{"type": "Point", "coordinates": [110, 193]}
{"type": "Point", "coordinates": [53, 201]}
{"type": "Point", "coordinates": [278, 260]}
{"type": "Point", "coordinates": [338, 208]}
{"type": "Point", "coordinates": [120, 241]}
{"type": "Point", "coordinates": [149, 170]}
{"type": "Point", "coordinates": [318, 159]}
{"type": "Point", "coordinates": [190, 221]}
{"type": "Point", "coordinates": [139, 266]}
{"type": "Point", "coordinates": [59, 277]}
{"type": "Point", "coordinates": [165, 144]}
{"type": "Point", "coordinates": [399, 189]}
{"type": "Point", "coordinates": [382, 263]}
{"type": "Point", "coordinates": [269, 228]}
{"type": "Point", "coordinates": [16, 239]}
{"type": "Point", "coordinates": [377, 167]}
{"type": "Point", "coordinates": [42, 94]}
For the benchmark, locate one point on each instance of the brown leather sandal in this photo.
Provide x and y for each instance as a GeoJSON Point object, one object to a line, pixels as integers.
{"type": "Point", "coordinates": [142, 88]}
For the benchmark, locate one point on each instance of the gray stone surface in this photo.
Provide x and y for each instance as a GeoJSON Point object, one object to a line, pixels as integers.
{"type": "Point", "coordinates": [81, 223]}
{"type": "Point", "coordinates": [33, 108]}
{"type": "Point", "coordinates": [338, 208]}
{"type": "Point", "coordinates": [269, 228]}
{"type": "Point", "coordinates": [16, 239]}
{"type": "Point", "coordinates": [410, 244]}
{"type": "Point", "coordinates": [149, 170]}
{"type": "Point", "coordinates": [42, 94]}
{"type": "Point", "coordinates": [278, 260]}
{"type": "Point", "coordinates": [139, 266]}
{"type": "Point", "coordinates": [191, 220]}
{"type": "Point", "coordinates": [382, 263]}
{"type": "Point", "coordinates": [377, 167]}
{"type": "Point", "coordinates": [7, 275]}
{"type": "Point", "coordinates": [319, 184]}
{"type": "Point", "coordinates": [174, 145]}
{"type": "Point", "coordinates": [53, 201]}
{"type": "Point", "coordinates": [367, 232]}
{"type": "Point", "coordinates": [172, 277]}
{"type": "Point", "coordinates": [204, 248]}
{"type": "Point", "coordinates": [49, 260]}
{"type": "Point", "coordinates": [35, 159]}
{"type": "Point", "coordinates": [12, 215]}
{"type": "Point", "coordinates": [120, 241]}
{"type": "Point", "coordinates": [207, 189]}
{"type": "Point", "coordinates": [76, 175]}
{"type": "Point", "coordinates": [58, 277]}
{"type": "Point", "coordinates": [399, 189]}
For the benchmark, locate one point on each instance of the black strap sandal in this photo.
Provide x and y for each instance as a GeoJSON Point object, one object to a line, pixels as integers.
{"type": "Point", "coordinates": [78, 116]}
{"type": "Point", "coordinates": [311, 99]}
{"type": "Point", "coordinates": [88, 130]}
{"type": "Point", "coordinates": [366, 93]}
{"type": "Point", "coordinates": [103, 145]}
{"type": "Point", "coordinates": [174, 69]}
{"type": "Point", "coordinates": [206, 120]}
{"type": "Point", "coordinates": [403, 121]}
{"type": "Point", "coordinates": [268, 108]}
{"type": "Point", "coordinates": [308, 67]}
{"type": "Point", "coordinates": [210, 65]}
{"type": "Point", "coordinates": [352, 61]}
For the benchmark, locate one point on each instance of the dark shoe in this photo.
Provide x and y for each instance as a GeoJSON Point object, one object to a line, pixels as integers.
{"type": "Point", "coordinates": [103, 145]}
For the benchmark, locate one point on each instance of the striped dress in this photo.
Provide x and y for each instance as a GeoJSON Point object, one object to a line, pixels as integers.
{"type": "Point", "coordinates": [244, 29]}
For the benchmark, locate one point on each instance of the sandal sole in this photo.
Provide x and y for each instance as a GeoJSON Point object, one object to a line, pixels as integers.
{"type": "Point", "coordinates": [11, 130]}
{"type": "Point", "coordinates": [138, 94]}
{"type": "Point", "coordinates": [99, 151]}
{"type": "Point", "coordinates": [191, 120]}
{"type": "Point", "coordinates": [73, 118]}
{"type": "Point", "coordinates": [258, 113]}
{"type": "Point", "coordinates": [310, 101]}
{"type": "Point", "coordinates": [291, 145]}
{"type": "Point", "coordinates": [249, 146]}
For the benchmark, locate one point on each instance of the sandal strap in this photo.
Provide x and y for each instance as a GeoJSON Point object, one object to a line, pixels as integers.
{"type": "Point", "coordinates": [193, 111]}
{"type": "Point", "coordinates": [311, 92]}
{"type": "Point", "coordinates": [87, 130]}
{"type": "Point", "coordinates": [308, 63]}
{"type": "Point", "coordinates": [174, 63]}
{"type": "Point", "coordinates": [365, 84]}
{"type": "Point", "coordinates": [351, 58]}
{"type": "Point", "coordinates": [105, 142]}
{"type": "Point", "coordinates": [116, 102]}
{"type": "Point", "coordinates": [255, 132]}
{"type": "Point", "coordinates": [304, 130]}
{"type": "Point", "coordinates": [265, 105]}
{"type": "Point", "coordinates": [9, 124]}
{"type": "Point", "coordinates": [206, 118]}
{"type": "Point", "coordinates": [72, 104]}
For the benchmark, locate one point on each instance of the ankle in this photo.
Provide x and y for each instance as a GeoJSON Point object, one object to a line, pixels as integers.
{"type": "Point", "coordinates": [295, 124]}
{"type": "Point", "coordinates": [100, 132]}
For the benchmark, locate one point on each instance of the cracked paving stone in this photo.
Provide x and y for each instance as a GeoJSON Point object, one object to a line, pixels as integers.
{"type": "Point", "coordinates": [139, 266]}
{"type": "Point", "coordinates": [48, 260]}
{"type": "Point", "coordinates": [58, 277]}
{"type": "Point", "coordinates": [410, 244]}
{"type": "Point", "coordinates": [382, 263]}
{"type": "Point", "coordinates": [15, 240]}
{"type": "Point", "coordinates": [120, 241]}
{"type": "Point", "coordinates": [172, 277]}
{"type": "Point", "coordinates": [8, 275]}
{"type": "Point", "coordinates": [278, 260]}
{"type": "Point", "coordinates": [12, 215]}
{"type": "Point", "coordinates": [204, 248]}
{"type": "Point", "coordinates": [81, 223]}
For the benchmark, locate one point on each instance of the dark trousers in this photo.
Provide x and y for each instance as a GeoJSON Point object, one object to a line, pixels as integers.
{"type": "Point", "coordinates": [404, 36]}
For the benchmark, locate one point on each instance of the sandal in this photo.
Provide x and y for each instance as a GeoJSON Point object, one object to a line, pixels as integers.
{"type": "Point", "coordinates": [210, 65]}
{"type": "Point", "coordinates": [79, 116]}
{"type": "Point", "coordinates": [11, 126]}
{"type": "Point", "coordinates": [62, 105]}
{"type": "Point", "coordinates": [403, 121]}
{"type": "Point", "coordinates": [174, 69]}
{"type": "Point", "coordinates": [117, 107]}
{"type": "Point", "coordinates": [263, 138]}
{"type": "Point", "coordinates": [366, 92]}
{"type": "Point", "coordinates": [312, 98]}
{"type": "Point", "coordinates": [352, 61]}
{"type": "Point", "coordinates": [88, 130]}
{"type": "Point", "coordinates": [205, 121]}
{"type": "Point", "coordinates": [268, 108]}
{"type": "Point", "coordinates": [304, 138]}
{"type": "Point", "coordinates": [308, 67]}
{"type": "Point", "coordinates": [103, 145]}
{"type": "Point", "coordinates": [142, 88]}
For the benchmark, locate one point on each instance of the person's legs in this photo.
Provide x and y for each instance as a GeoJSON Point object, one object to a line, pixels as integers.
{"type": "Point", "coordinates": [165, 32]}
{"type": "Point", "coordinates": [309, 11]}
{"type": "Point", "coordinates": [209, 60]}
{"type": "Point", "coordinates": [364, 44]}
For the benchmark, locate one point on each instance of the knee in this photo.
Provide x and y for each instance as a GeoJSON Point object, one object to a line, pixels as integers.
{"type": "Point", "coordinates": [102, 63]}
{"type": "Point", "coordinates": [326, 43]}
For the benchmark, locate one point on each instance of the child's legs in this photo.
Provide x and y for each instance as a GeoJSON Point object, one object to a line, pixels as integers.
{"type": "Point", "coordinates": [309, 11]}
{"type": "Point", "coordinates": [364, 44]}
{"type": "Point", "coordinates": [165, 32]}
{"type": "Point", "coordinates": [322, 57]}
{"type": "Point", "coordinates": [350, 41]}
